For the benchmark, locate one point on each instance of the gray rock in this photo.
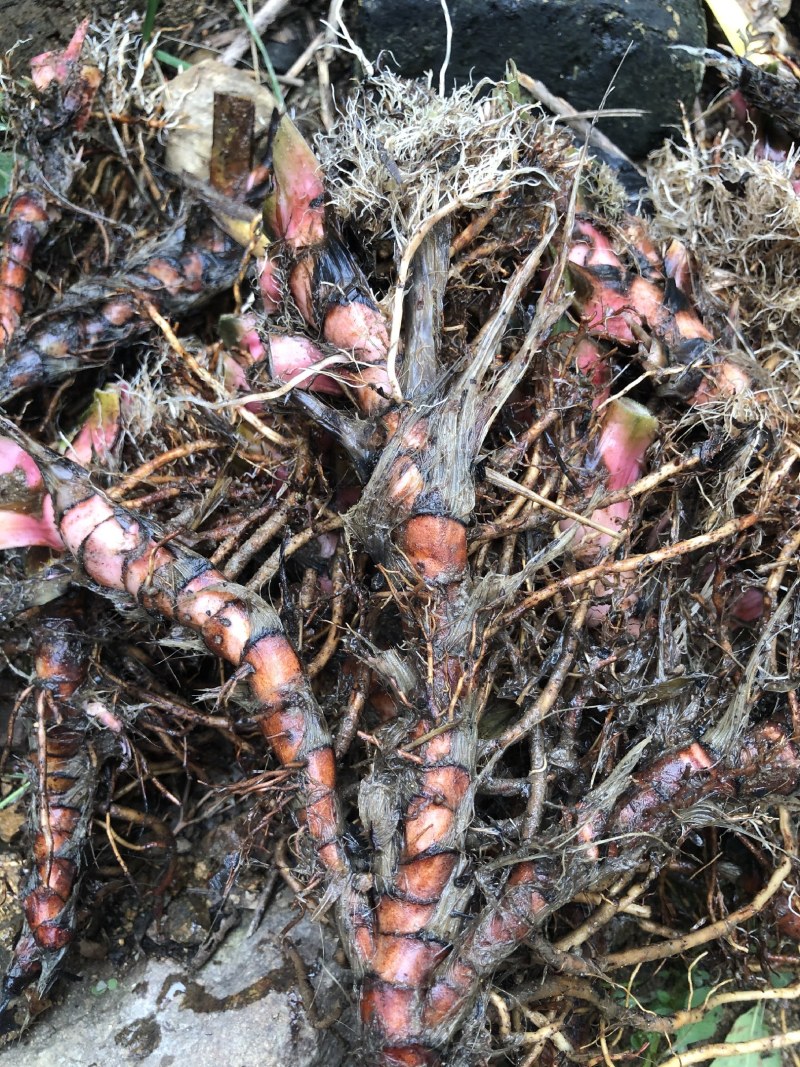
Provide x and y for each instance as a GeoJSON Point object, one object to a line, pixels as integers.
{"type": "Point", "coordinates": [241, 1010]}
{"type": "Point", "coordinates": [573, 46]}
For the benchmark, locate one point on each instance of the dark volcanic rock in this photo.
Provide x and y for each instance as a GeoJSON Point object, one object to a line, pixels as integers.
{"type": "Point", "coordinates": [573, 46]}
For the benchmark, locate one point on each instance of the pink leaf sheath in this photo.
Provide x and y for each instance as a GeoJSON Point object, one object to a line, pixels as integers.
{"type": "Point", "coordinates": [287, 355]}
{"type": "Point", "coordinates": [100, 428]}
{"type": "Point", "coordinates": [627, 431]}
{"type": "Point", "coordinates": [79, 82]}
{"type": "Point", "coordinates": [26, 510]}
{"type": "Point", "coordinates": [57, 66]}
{"type": "Point", "coordinates": [327, 286]}
{"type": "Point", "coordinates": [295, 208]}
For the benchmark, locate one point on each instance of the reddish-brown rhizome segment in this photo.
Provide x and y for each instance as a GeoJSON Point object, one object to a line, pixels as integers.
{"type": "Point", "coordinates": [25, 225]}
{"type": "Point", "coordinates": [64, 791]}
{"type": "Point", "coordinates": [118, 552]}
{"type": "Point", "coordinates": [58, 344]}
{"type": "Point", "coordinates": [674, 782]}
{"type": "Point", "coordinates": [409, 943]}
{"type": "Point", "coordinates": [27, 217]}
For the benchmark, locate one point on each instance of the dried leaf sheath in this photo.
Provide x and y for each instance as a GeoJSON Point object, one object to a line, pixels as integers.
{"type": "Point", "coordinates": [120, 550]}
{"type": "Point", "coordinates": [412, 517]}
{"type": "Point", "coordinates": [64, 777]}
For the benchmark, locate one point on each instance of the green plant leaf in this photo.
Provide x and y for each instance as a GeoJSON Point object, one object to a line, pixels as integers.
{"type": "Point", "coordinates": [150, 19]}
{"type": "Point", "coordinates": [14, 796]}
{"type": "Point", "coordinates": [6, 170]}
{"type": "Point", "coordinates": [512, 80]}
{"type": "Point", "coordinates": [273, 78]}
{"type": "Point", "coordinates": [748, 1027]}
{"type": "Point", "coordinates": [702, 1030]}
{"type": "Point", "coordinates": [171, 61]}
{"type": "Point", "coordinates": [649, 1056]}
{"type": "Point", "coordinates": [563, 325]}
{"type": "Point", "coordinates": [699, 995]}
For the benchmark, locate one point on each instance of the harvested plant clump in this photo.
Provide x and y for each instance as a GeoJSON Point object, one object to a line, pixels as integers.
{"type": "Point", "coordinates": [450, 518]}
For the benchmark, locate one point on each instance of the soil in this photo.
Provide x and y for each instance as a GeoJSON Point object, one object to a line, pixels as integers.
{"type": "Point", "coordinates": [39, 27]}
